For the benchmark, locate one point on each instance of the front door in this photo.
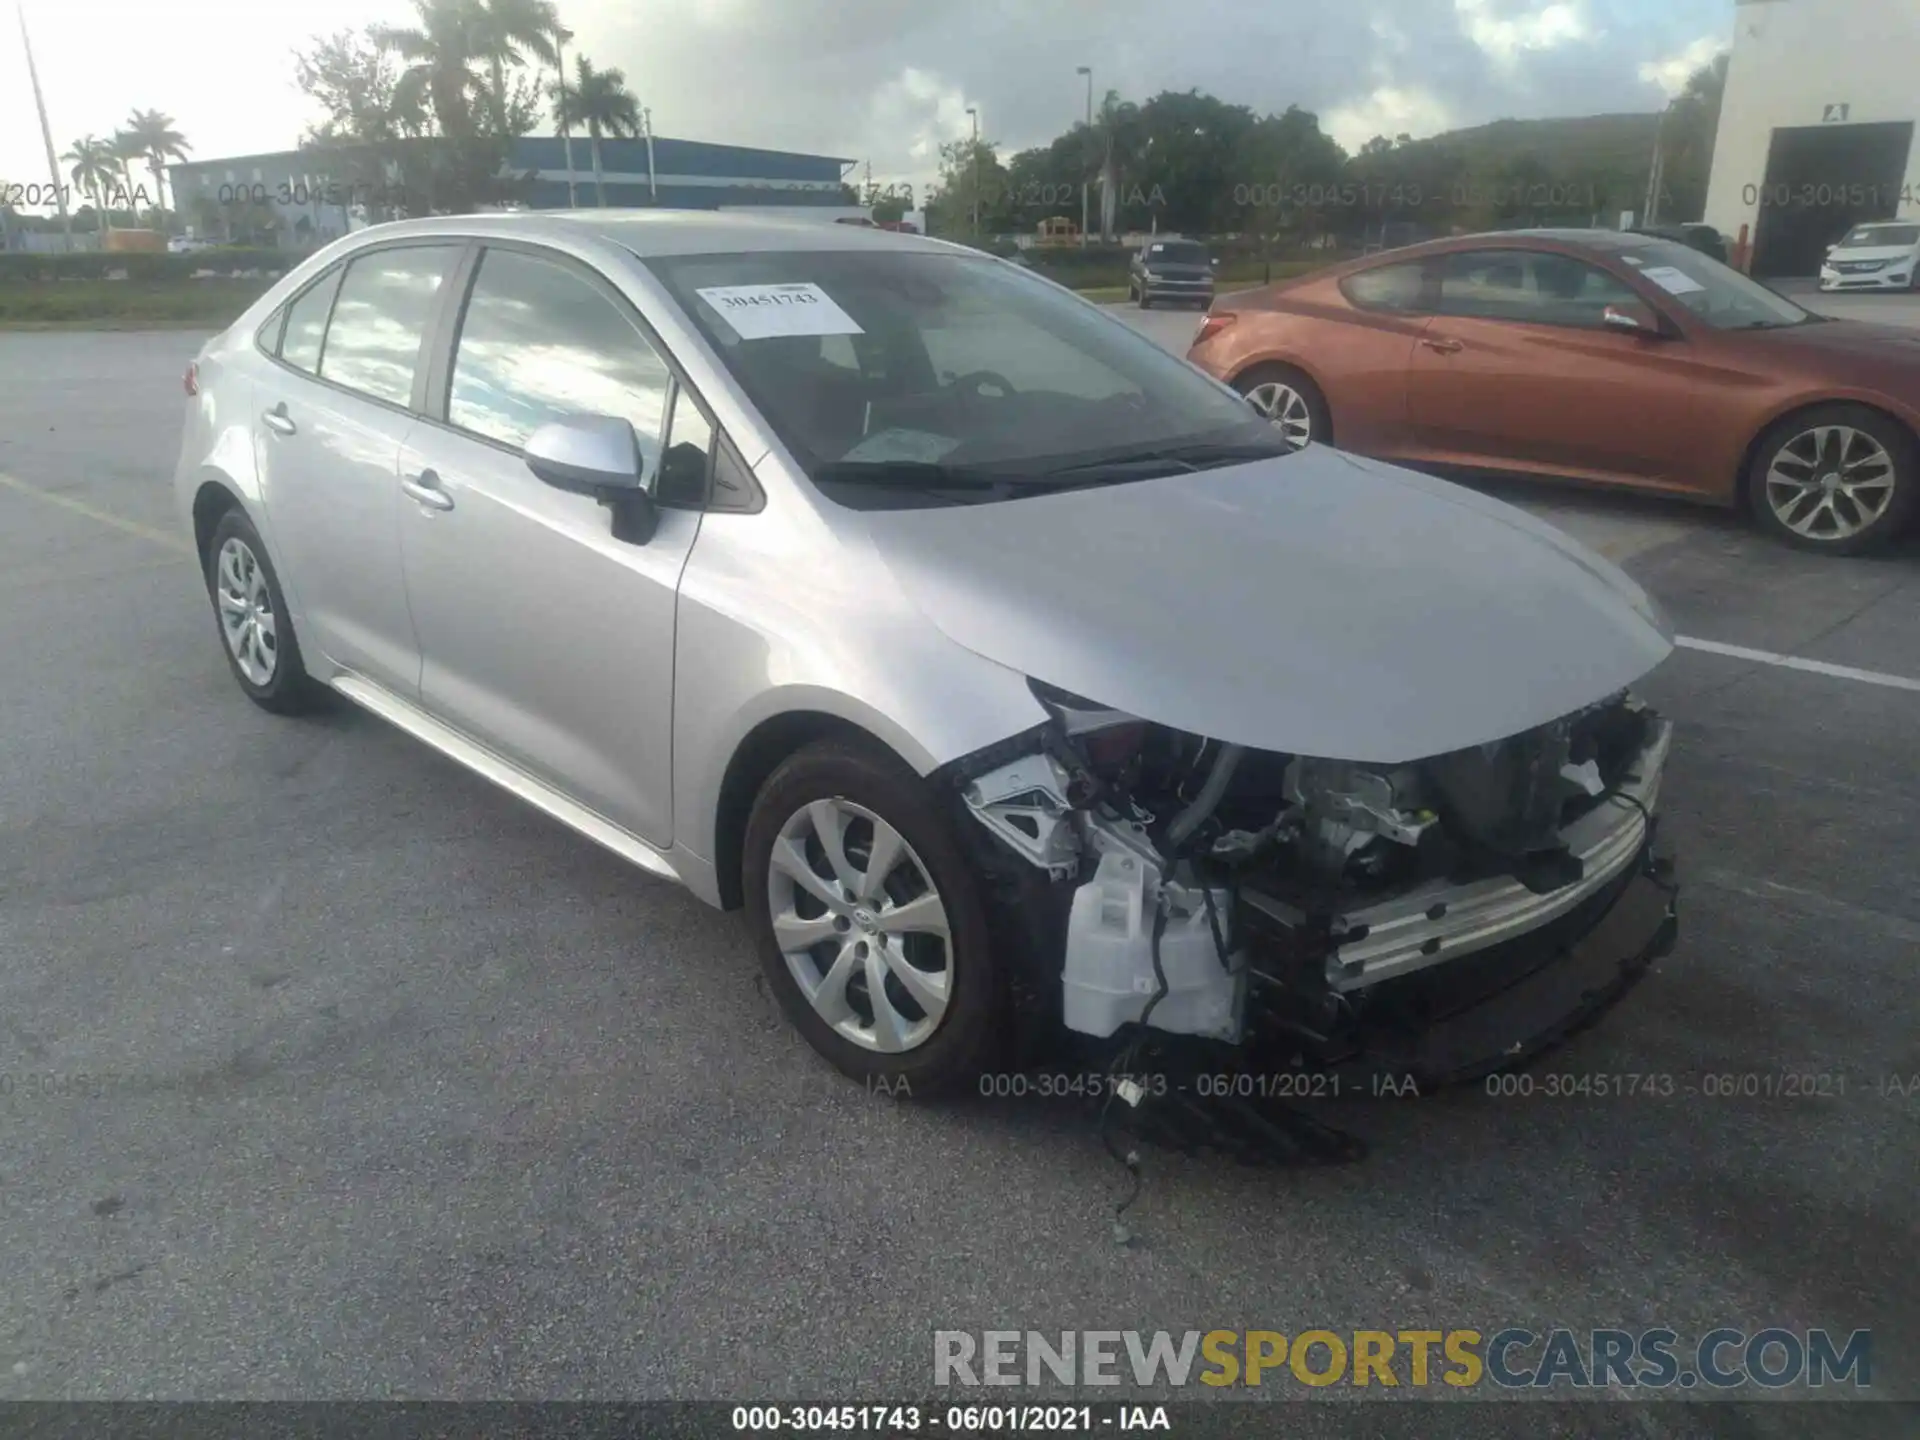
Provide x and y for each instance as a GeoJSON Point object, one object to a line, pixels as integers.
{"type": "Point", "coordinates": [541, 636]}
{"type": "Point", "coordinates": [1518, 371]}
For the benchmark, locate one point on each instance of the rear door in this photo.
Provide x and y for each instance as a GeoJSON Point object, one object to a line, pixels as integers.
{"type": "Point", "coordinates": [335, 410]}
{"type": "Point", "coordinates": [541, 636]}
{"type": "Point", "coordinates": [1518, 371]}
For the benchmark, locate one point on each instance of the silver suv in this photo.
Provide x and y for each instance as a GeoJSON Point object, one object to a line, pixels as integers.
{"type": "Point", "coordinates": [1014, 676]}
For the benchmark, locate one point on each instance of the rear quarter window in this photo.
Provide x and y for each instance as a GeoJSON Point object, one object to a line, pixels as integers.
{"type": "Point", "coordinates": [1397, 288]}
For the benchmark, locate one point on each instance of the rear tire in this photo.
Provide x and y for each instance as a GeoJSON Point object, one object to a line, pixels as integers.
{"type": "Point", "coordinates": [829, 933]}
{"type": "Point", "coordinates": [1291, 401]}
{"type": "Point", "coordinates": [1841, 479]}
{"type": "Point", "coordinates": [250, 616]}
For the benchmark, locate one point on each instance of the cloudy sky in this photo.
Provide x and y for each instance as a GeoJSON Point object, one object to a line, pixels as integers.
{"type": "Point", "coordinates": [887, 80]}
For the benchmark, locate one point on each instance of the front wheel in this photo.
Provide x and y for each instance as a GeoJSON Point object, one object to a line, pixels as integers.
{"type": "Point", "coordinates": [870, 922]}
{"type": "Point", "coordinates": [1843, 479]}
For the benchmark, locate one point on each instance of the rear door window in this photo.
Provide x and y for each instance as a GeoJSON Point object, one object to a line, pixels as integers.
{"type": "Point", "coordinates": [380, 319]}
{"type": "Point", "coordinates": [307, 324]}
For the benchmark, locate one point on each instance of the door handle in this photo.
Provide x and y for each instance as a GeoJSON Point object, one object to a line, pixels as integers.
{"type": "Point", "coordinates": [425, 487]}
{"type": "Point", "coordinates": [278, 421]}
{"type": "Point", "coordinates": [1444, 347]}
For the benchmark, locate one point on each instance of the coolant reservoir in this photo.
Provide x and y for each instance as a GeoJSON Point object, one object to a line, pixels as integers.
{"type": "Point", "coordinates": [1108, 978]}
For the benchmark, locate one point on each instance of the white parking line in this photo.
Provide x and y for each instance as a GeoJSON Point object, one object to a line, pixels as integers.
{"type": "Point", "coordinates": [1795, 662]}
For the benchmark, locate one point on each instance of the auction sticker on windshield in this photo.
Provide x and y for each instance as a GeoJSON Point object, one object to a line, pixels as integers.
{"type": "Point", "coordinates": [1674, 282]}
{"type": "Point", "coordinates": [766, 312]}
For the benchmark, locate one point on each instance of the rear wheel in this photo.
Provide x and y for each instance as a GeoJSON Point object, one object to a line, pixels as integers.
{"type": "Point", "coordinates": [1839, 478]}
{"type": "Point", "coordinates": [1291, 401]}
{"type": "Point", "coordinates": [251, 613]}
{"type": "Point", "coordinates": [870, 921]}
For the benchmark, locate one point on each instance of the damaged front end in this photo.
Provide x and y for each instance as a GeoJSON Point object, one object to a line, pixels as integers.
{"type": "Point", "coordinates": [1439, 918]}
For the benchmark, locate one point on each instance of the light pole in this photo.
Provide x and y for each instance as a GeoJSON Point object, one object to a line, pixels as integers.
{"type": "Point", "coordinates": [1086, 187]}
{"type": "Point", "coordinates": [46, 134]}
{"type": "Point", "coordinates": [561, 35]}
{"type": "Point", "coordinates": [974, 112]}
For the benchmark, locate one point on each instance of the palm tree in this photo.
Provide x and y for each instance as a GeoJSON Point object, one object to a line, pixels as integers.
{"type": "Point", "coordinates": [126, 149]}
{"type": "Point", "coordinates": [509, 31]}
{"type": "Point", "coordinates": [441, 52]}
{"type": "Point", "coordinates": [601, 104]}
{"type": "Point", "coordinates": [159, 143]}
{"type": "Point", "coordinates": [94, 169]}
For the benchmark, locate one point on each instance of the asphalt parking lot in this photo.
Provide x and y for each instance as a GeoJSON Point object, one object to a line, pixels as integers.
{"type": "Point", "coordinates": [333, 1071]}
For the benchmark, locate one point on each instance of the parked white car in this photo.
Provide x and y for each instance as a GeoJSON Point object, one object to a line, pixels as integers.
{"type": "Point", "coordinates": [1883, 256]}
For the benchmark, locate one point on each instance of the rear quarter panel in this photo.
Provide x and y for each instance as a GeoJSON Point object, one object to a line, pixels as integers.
{"type": "Point", "coordinates": [1357, 359]}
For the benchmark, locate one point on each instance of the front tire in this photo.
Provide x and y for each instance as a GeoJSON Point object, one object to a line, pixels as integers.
{"type": "Point", "coordinates": [250, 613]}
{"type": "Point", "coordinates": [1842, 479]}
{"type": "Point", "coordinates": [870, 921]}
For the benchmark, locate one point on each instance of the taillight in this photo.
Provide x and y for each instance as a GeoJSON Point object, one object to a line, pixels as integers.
{"type": "Point", "coordinates": [1213, 325]}
{"type": "Point", "coordinates": [192, 380]}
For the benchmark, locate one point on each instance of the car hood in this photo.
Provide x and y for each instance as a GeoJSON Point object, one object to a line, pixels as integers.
{"type": "Point", "coordinates": [1856, 339]}
{"type": "Point", "coordinates": [1315, 603]}
{"type": "Point", "coordinates": [1875, 252]}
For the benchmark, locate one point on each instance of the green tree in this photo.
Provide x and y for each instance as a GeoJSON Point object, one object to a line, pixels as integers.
{"type": "Point", "coordinates": [355, 81]}
{"type": "Point", "coordinates": [159, 142]}
{"type": "Point", "coordinates": [970, 173]}
{"type": "Point", "coordinates": [1689, 129]}
{"type": "Point", "coordinates": [600, 104]}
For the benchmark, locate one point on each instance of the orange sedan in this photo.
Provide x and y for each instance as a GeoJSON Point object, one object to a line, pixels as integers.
{"type": "Point", "coordinates": [1594, 356]}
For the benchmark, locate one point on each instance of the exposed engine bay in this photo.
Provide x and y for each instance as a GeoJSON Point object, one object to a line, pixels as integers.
{"type": "Point", "coordinates": [1211, 890]}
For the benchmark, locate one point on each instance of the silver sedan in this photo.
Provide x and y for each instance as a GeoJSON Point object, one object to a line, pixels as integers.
{"type": "Point", "coordinates": [1018, 680]}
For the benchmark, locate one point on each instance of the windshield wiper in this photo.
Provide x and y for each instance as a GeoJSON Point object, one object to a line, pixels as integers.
{"type": "Point", "coordinates": [909, 474]}
{"type": "Point", "coordinates": [1176, 459]}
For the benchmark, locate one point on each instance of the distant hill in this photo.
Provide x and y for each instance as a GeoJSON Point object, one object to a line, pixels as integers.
{"type": "Point", "coordinates": [1606, 144]}
{"type": "Point", "coordinates": [1574, 170]}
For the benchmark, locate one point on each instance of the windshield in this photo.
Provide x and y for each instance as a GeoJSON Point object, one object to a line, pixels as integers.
{"type": "Point", "coordinates": [919, 370]}
{"type": "Point", "coordinates": [1176, 253]}
{"type": "Point", "coordinates": [1716, 293]}
{"type": "Point", "coordinates": [1868, 237]}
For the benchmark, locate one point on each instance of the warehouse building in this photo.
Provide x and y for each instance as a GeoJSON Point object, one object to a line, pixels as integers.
{"type": "Point", "coordinates": [1817, 126]}
{"type": "Point", "coordinates": [304, 197]}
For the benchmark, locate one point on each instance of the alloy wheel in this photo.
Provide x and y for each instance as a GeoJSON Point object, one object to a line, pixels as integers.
{"type": "Point", "coordinates": [861, 926]}
{"type": "Point", "coordinates": [246, 611]}
{"type": "Point", "coordinates": [1286, 408]}
{"type": "Point", "coordinates": [1830, 482]}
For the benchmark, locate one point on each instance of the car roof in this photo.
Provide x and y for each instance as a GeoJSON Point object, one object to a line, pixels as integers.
{"type": "Point", "coordinates": [650, 232]}
{"type": "Point", "coordinates": [1602, 241]}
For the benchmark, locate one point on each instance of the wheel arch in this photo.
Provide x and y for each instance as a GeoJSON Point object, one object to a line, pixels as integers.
{"type": "Point", "coordinates": [212, 498]}
{"type": "Point", "coordinates": [760, 752]}
{"type": "Point", "coordinates": [1744, 493]}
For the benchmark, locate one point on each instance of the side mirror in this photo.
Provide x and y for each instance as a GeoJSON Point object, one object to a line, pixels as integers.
{"type": "Point", "coordinates": [601, 456]}
{"type": "Point", "coordinates": [1634, 318]}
